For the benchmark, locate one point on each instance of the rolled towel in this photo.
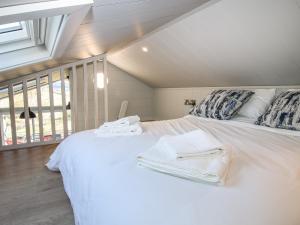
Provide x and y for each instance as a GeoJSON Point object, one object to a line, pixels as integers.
{"type": "Point", "coordinates": [220, 165]}
{"type": "Point", "coordinates": [123, 122]}
{"type": "Point", "coordinates": [130, 130]}
{"type": "Point", "coordinates": [192, 144]}
{"type": "Point", "coordinates": [211, 169]}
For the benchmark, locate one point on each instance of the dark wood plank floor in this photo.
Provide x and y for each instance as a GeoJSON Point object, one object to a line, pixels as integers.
{"type": "Point", "coordinates": [29, 193]}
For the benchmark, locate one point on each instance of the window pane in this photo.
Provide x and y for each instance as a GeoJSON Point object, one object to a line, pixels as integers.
{"type": "Point", "coordinates": [13, 32]}
{"type": "Point", "coordinates": [69, 122]}
{"type": "Point", "coordinates": [6, 129]}
{"type": "Point", "coordinates": [56, 88]}
{"type": "Point", "coordinates": [67, 75]}
{"type": "Point", "coordinates": [45, 95]}
{"type": "Point", "coordinates": [32, 104]}
{"type": "Point", "coordinates": [56, 76]}
{"type": "Point", "coordinates": [45, 90]}
{"type": "Point", "coordinates": [19, 108]}
{"type": "Point", "coordinates": [59, 125]}
{"type": "Point", "coordinates": [47, 126]}
{"type": "Point", "coordinates": [32, 93]}
{"type": "Point", "coordinates": [34, 127]}
{"type": "Point", "coordinates": [18, 96]}
{"type": "Point", "coordinates": [10, 26]}
{"type": "Point", "coordinates": [4, 100]}
{"type": "Point", "coordinates": [5, 117]}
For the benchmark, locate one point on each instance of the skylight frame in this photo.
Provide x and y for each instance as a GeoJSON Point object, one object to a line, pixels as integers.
{"type": "Point", "coordinates": [73, 12]}
{"type": "Point", "coordinates": [15, 35]}
{"type": "Point", "coordinates": [5, 28]}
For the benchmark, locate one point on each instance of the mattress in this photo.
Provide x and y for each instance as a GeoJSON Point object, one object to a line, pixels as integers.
{"type": "Point", "coordinates": [106, 187]}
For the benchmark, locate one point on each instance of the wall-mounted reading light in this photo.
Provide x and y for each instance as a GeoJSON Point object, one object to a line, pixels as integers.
{"type": "Point", "coordinates": [191, 102]}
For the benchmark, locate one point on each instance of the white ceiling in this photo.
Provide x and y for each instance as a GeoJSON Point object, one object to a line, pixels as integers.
{"type": "Point", "coordinates": [222, 43]}
{"type": "Point", "coordinates": [5, 3]}
{"type": "Point", "coordinates": [109, 26]}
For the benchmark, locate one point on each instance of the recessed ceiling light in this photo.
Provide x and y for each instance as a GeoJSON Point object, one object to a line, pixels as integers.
{"type": "Point", "coordinates": [145, 49]}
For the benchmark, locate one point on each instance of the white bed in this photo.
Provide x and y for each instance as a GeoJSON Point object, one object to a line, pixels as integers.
{"type": "Point", "coordinates": [106, 187]}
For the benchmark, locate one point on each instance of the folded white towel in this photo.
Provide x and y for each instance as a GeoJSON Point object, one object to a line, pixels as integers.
{"type": "Point", "coordinates": [130, 130]}
{"type": "Point", "coordinates": [191, 144]}
{"type": "Point", "coordinates": [212, 169]}
{"type": "Point", "coordinates": [219, 165]}
{"type": "Point", "coordinates": [123, 122]}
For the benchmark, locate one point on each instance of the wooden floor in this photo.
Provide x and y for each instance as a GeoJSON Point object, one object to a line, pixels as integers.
{"type": "Point", "coordinates": [29, 193]}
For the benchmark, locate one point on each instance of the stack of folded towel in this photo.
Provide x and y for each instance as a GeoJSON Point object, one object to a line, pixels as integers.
{"type": "Point", "coordinates": [195, 155]}
{"type": "Point", "coordinates": [126, 126]}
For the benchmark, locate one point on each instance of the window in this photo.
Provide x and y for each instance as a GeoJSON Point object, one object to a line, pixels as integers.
{"type": "Point", "coordinates": [57, 101]}
{"type": "Point", "coordinates": [38, 38]}
{"type": "Point", "coordinates": [9, 27]}
{"type": "Point", "coordinates": [45, 96]}
{"type": "Point", "coordinates": [67, 74]}
{"type": "Point", "coordinates": [5, 122]}
{"type": "Point", "coordinates": [18, 97]}
{"type": "Point", "coordinates": [24, 34]}
{"type": "Point", "coordinates": [13, 32]}
{"type": "Point", "coordinates": [58, 91]}
{"type": "Point", "coordinates": [33, 111]}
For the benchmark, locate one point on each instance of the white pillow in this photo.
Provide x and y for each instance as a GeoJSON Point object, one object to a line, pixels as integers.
{"type": "Point", "coordinates": [258, 103]}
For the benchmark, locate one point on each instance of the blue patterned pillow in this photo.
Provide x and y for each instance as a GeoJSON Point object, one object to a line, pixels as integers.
{"type": "Point", "coordinates": [284, 112]}
{"type": "Point", "coordinates": [222, 104]}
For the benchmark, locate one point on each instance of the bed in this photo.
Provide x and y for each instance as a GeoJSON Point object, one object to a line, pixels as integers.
{"type": "Point", "coordinates": [106, 187]}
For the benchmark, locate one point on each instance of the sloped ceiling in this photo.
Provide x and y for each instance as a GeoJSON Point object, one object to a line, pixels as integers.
{"type": "Point", "coordinates": [222, 43]}
{"type": "Point", "coordinates": [110, 25]}
{"type": "Point", "coordinates": [5, 3]}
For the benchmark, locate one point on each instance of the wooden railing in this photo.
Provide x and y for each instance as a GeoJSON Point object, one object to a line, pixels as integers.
{"type": "Point", "coordinates": [13, 111]}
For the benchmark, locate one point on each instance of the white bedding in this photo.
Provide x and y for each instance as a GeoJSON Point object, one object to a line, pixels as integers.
{"type": "Point", "coordinates": [106, 187]}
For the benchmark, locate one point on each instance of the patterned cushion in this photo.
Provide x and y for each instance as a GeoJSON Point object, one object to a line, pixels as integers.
{"type": "Point", "coordinates": [222, 104]}
{"type": "Point", "coordinates": [284, 112]}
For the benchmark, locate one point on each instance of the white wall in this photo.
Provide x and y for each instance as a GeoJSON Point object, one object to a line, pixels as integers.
{"type": "Point", "coordinates": [169, 102]}
{"type": "Point", "coordinates": [122, 86]}
{"type": "Point", "coordinates": [79, 120]}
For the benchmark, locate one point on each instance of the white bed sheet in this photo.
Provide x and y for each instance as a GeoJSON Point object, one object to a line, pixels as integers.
{"type": "Point", "coordinates": [106, 187]}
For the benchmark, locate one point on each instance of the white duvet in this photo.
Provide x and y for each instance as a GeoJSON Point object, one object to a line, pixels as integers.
{"type": "Point", "coordinates": [106, 187]}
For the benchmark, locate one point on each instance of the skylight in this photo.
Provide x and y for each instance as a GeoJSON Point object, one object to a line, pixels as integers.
{"type": "Point", "coordinates": [9, 27]}
{"type": "Point", "coordinates": [12, 32]}
{"type": "Point", "coordinates": [40, 31]}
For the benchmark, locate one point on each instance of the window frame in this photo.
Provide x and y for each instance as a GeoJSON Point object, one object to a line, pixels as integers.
{"type": "Point", "coordinates": [43, 47]}
{"type": "Point", "coordinates": [15, 35]}
{"type": "Point", "coordinates": [8, 29]}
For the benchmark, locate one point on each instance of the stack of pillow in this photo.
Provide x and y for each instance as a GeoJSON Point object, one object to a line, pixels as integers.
{"type": "Point", "coordinates": [262, 106]}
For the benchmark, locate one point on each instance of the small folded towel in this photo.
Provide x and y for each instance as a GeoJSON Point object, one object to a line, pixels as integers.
{"type": "Point", "coordinates": [219, 165]}
{"type": "Point", "coordinates": [211, 169]}
{"type": "Point", "coordinates": [129, 130]}
{"type": "Point", "coordinates": [123, 122]}
{"type": "Point", "coordinates": [192, 144]}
